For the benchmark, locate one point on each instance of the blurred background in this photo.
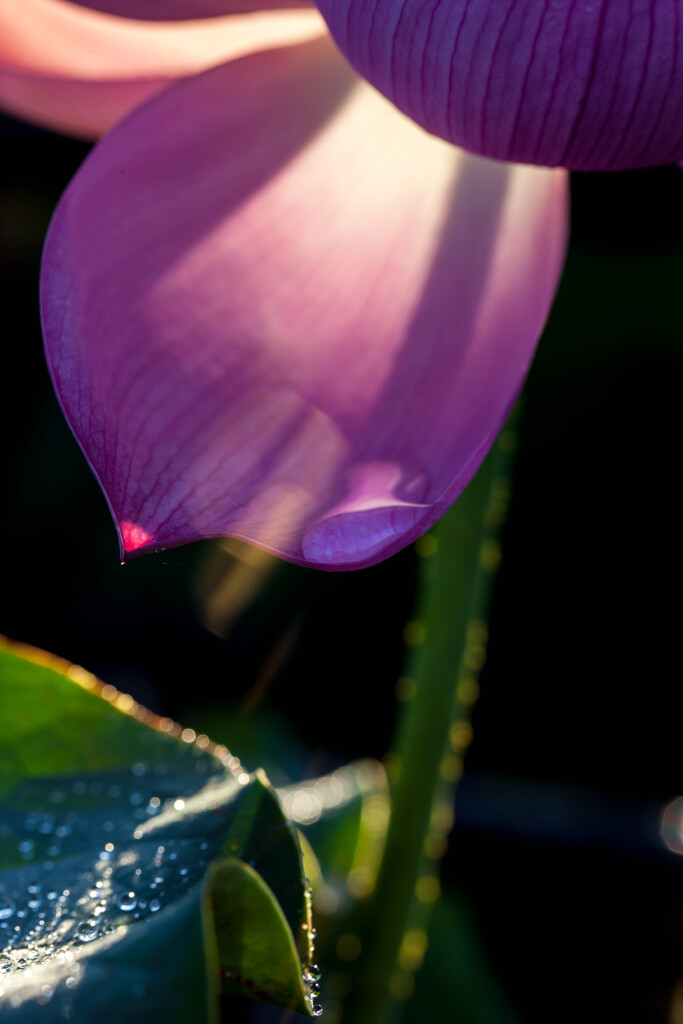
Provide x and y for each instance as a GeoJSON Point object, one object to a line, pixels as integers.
{"type": "Point", "coordinates": [557, 860]}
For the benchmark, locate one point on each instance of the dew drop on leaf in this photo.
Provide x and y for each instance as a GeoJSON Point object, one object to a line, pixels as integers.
{"type": "Point", "coordinates": [7, 908]}
{"type": "Point", "coordinates": [127, 901]}
{"type": "Point", "coordinates": [88, 930]}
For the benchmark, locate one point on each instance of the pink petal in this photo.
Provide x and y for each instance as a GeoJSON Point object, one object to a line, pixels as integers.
{"type": "Point", "coordinates": [275, 309]}
{"type": "Point", "coordinates": [585, 84]}
{"type": "Point", "coordinates": [168, 10]}
{"type": "Point", "coordinates": [79, 72]}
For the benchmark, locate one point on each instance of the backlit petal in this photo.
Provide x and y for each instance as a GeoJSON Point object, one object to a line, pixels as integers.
{"type": "Point", "coordinates": [585, 84]}
{"type": "Point", "coordinates": [275, 309]}
{"type": "Point", "coordinates": [79, 71]}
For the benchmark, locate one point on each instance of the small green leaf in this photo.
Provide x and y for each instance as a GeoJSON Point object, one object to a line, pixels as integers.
{"type": "Point", "coordinates": [257, 953]}
{"type": "Point", "coordinates": [260, 835]}
{"type": "Point", "coordinates": [110, 823]}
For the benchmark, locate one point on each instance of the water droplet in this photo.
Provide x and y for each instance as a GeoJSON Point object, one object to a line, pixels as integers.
{"type": "Point", "coordinates": [311, 973]}
{"type": "Point", "coordinates": [71, 982]}
{"type": "Point", "coordinates": [127, 901]}
{"type": "Point", "coordinates": [88, 930]}
{"type": "Point", "coordinates": [316, 1009]}
{"type": "Point", "coordinates": [5, 963]}
{"type": "Point", "coordinates": [7, 908]}
{"type": "Point", "coordinates": [21, 964]}
{"type": "Point", "coordinates": [154, 905]}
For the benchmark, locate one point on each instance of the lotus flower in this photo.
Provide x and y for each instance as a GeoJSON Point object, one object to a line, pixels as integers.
{"type": "Point", "coordinates": [286, 305]}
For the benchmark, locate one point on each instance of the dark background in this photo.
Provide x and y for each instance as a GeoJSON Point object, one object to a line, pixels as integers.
{"type": "Point", "coordinates": [577, 731]}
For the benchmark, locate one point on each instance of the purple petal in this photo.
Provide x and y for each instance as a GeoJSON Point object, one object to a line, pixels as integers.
{"type": "Point", "coordinates": [584, 84]}
{"type": "Point", "coordinates": [78, 72]}
{"type": "Point", "coordinates": [275, 309]}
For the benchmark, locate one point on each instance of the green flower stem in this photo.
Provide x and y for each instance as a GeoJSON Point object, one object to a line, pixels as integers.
{"type": "Point", "coordinates": [448, 641]}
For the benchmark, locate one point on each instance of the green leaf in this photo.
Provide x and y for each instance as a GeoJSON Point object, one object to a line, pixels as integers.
{"type": "Point", "coordinates": [253, 937]}
{"type": "Point", "coordinates": [115, 826]}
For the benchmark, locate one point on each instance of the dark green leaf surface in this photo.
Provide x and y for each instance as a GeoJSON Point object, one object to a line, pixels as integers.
{"type": "Point", "coordinates": [114, 826]}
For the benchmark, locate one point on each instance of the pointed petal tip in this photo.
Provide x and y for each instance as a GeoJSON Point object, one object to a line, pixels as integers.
{"type": "Point", "coordinates": [133, 539]}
